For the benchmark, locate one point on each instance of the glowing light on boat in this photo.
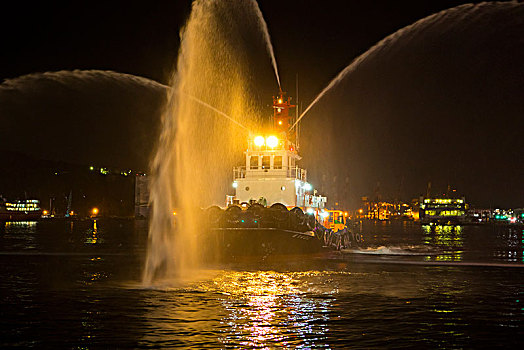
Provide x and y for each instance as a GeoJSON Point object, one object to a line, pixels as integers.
{"type": "Point", "coordinates": [272, 141]}
{"type": "Point", "coordinates": [259, 141]}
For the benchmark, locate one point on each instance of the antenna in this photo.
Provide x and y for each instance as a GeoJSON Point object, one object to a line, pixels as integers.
{"type": "Point", "coordinates": [296, 115]}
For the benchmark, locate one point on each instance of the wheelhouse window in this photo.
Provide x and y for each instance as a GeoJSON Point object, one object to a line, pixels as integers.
{"type": "Point", "coordinates": [277, 162]}
{"type": "Point", "coordinates": [253, 162]}
{"type": "Point", "coordinates": [266, 161]}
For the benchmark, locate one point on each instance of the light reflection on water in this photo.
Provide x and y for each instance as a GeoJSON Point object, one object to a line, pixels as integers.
{"type": "Point", "coordinates": [447, 237]}
{"type": "Point", "coordinates": [92, 234]}
{"type": "Point", "coordinates": [367, 307]}
{"type": "Point", "coordinates": [262, 309]}
{"type": "Point", "coordinates": [276, 304]}
{"type": "Point", "coordinates": [20, 233]}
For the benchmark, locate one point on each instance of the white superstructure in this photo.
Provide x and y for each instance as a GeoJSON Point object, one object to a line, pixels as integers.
{"type": "Point", "coordinates": [270, 174]}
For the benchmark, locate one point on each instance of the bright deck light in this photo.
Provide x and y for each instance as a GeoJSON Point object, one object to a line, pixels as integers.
{"type": "Point", "coordinates": [259, 141]}
{"type": "Point", "coordinates": [272, 141]}
{"type": "Point", "coordinates": [235, 184]}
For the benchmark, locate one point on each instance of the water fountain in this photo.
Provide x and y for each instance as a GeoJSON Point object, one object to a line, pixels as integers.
{"type": "Point", "coordinates": [195, 151]}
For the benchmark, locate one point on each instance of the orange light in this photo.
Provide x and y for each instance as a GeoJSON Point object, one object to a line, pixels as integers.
{"type": "Point", "coordinates": [360, 211]}
{"type": "Point", "coordinates": [174, 213]}
{"type": "Point", "coordinates": [94, 211]}
{"type": "Point", "coordinates": [280, 101]}
{"type": "Point", "coordinates": [280, 122]}
{"type": "Point", "coordinates": [45, 212]}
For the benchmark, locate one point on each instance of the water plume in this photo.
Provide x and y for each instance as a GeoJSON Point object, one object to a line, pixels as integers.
{"type": "Point", "coordinates": [265, 31]}
{"type": "Point", "coordinates": [462, 15]}
{"type": "Point", "coordinates": [197, 146]}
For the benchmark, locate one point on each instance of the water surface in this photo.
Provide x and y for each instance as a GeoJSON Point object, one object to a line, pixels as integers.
{"type": "Point", "coordinates": [76, 285]}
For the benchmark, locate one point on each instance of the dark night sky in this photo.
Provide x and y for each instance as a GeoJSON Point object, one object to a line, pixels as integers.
{"type": "Point", "coordinates": [445, 106]}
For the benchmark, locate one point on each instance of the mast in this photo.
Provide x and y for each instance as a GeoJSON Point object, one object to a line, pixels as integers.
{"type": "Point", "coordinates": [281, 116]}
{"type": "Point", "coordinates": [296, 117]}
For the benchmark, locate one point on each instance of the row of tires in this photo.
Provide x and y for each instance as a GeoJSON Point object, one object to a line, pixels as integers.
{"type": "Point", "coordinates": [258, 216]}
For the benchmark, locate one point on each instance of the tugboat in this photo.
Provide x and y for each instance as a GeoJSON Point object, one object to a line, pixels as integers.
{"type": "Point", "coordinates": [274, 208]}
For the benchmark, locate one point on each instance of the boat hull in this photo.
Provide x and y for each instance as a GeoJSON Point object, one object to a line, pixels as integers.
{"type": "Point", "coordinates": [233, 242]}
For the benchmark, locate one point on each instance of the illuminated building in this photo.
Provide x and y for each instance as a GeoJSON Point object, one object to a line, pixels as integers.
{"type": "Point", "coordinates": [476, 215]}
{"type": "Point", "coordinates": [443, 210]}
{"type": "Point", "coordinates": [508, 216]}
{"type": "Point", "coordinates": [382, 210]}
{"type": "Point", "coordinates": [20, 210]}
{"type": "Point", "coordinates": [519, 215]}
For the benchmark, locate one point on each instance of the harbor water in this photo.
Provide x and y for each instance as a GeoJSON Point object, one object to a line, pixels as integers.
{"type": "Point", "coordinates": [78, 285]}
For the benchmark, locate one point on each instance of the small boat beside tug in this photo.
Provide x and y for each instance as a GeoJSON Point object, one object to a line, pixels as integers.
{"type": "Point", "coordinates": [274, 208]}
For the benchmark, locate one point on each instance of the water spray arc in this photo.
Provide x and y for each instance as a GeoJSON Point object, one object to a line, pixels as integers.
{"type": "Point", "coordinates": [458, 14]}
{"type": "Point", "coordinates": [71, 78]}
{"type": "Point", "coordinates": [265, 31]}
{"type": "Point", "coordinates": [216, 110]}
{"type": "Point", "coordinates": [77, 76]}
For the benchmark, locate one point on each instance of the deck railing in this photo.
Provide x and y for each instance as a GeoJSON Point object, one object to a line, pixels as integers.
{"type": "Point", "coordinates": [294, 172]}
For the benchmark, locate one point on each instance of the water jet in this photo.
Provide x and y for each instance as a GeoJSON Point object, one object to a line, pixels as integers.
{"type": "Point", "coordinates": [196, 149]}
{"type": "Point", "coordinates": [452, 17]}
